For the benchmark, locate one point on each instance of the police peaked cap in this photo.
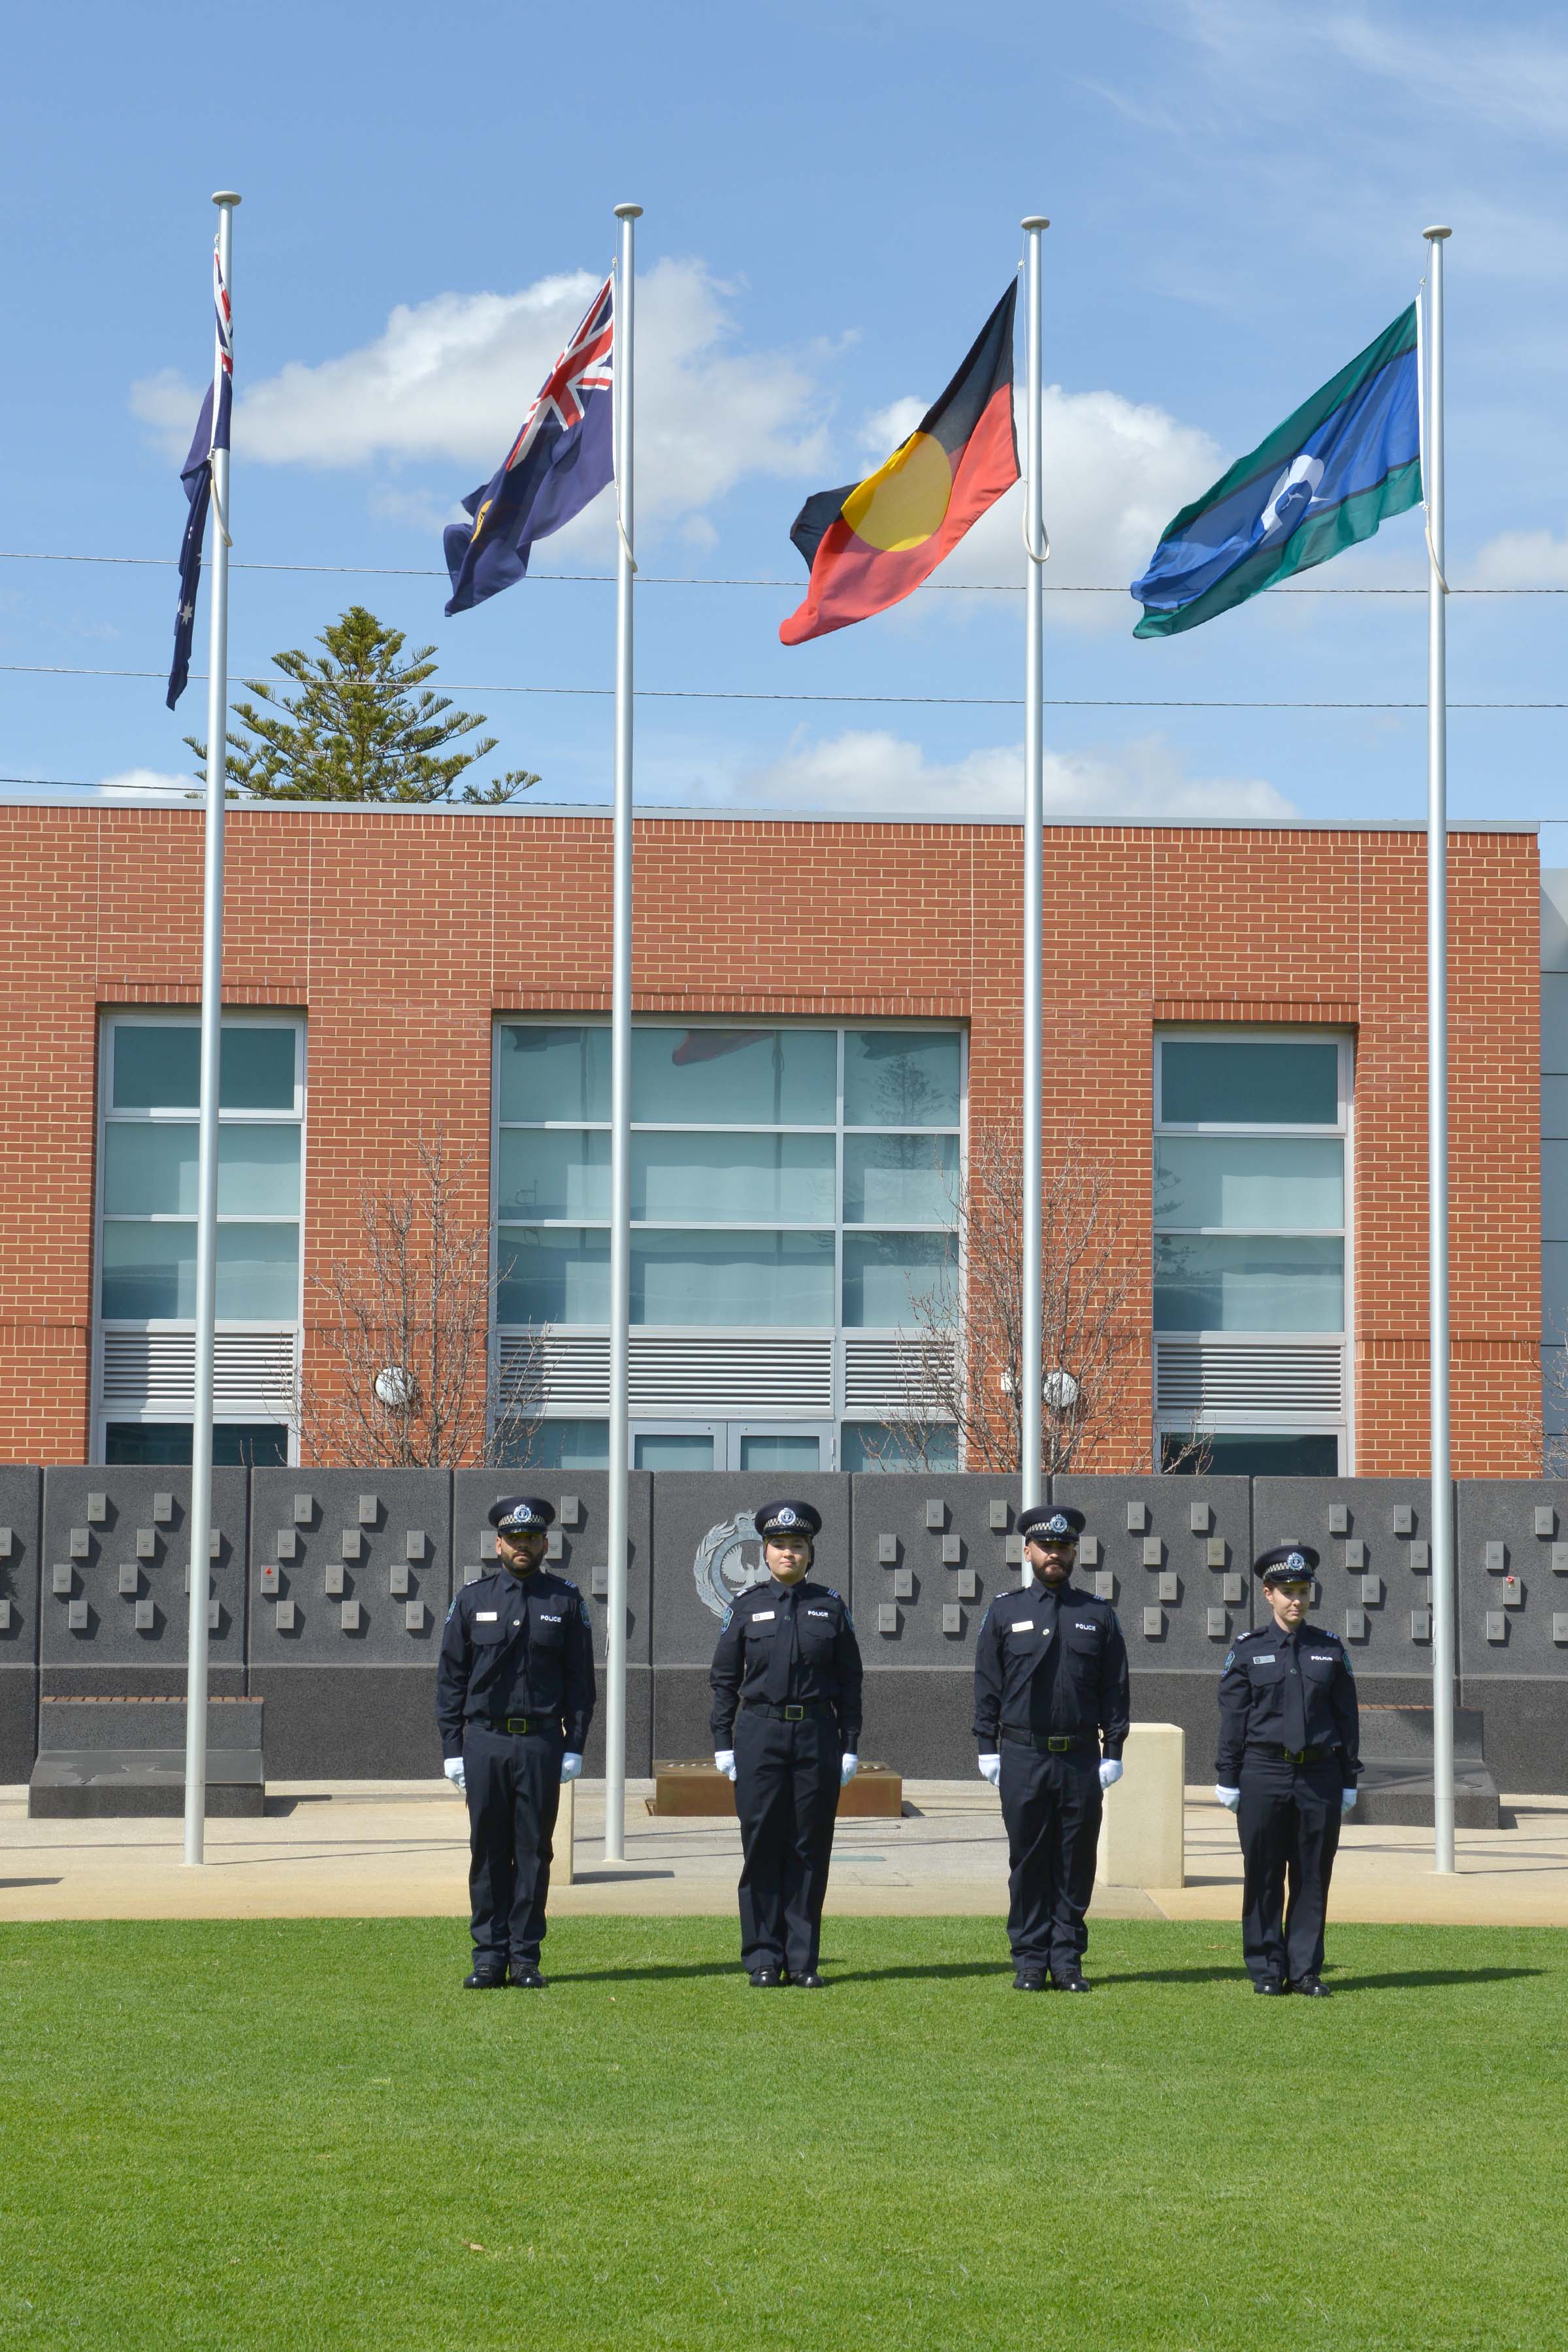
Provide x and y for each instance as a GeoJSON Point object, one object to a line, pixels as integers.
{"type": "Point", "coordinates": [1284, 1559]}
{"type": "Point", "coordinates": [517, 1514]}
{"type": "Point", "coordinates": [787, 1519]}
{"type": "Point", "coordinates": [1050, 1523]}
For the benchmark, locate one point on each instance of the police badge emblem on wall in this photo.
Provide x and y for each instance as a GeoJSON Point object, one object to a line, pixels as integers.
{"type": "Point", "coordinates": [721, 1568]}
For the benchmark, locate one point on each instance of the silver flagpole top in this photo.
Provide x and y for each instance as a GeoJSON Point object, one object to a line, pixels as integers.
{"type": "Point", "coordinates": [1435, 233]}
{"type": "Point", "coordinates": [227, 196]}
{"type": "Point", "coordinates": [1033, 220]}
{"type": "Point", "coordinates": [628, 212]}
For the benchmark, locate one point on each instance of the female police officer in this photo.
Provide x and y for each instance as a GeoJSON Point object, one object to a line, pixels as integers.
{"type": "Point", "coordinates": [788, 1657]}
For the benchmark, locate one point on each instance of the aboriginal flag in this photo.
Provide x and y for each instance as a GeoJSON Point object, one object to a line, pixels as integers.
{"type": "Point", "coordinates": [873, 542]}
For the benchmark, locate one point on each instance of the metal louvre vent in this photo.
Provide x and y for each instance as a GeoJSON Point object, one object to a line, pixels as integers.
{"type": "Point", "coordinates": [881, 1375]}
{"type": "Point", "coordinates": [738, 1375]}
{"type": "Point", "coordinates": [147, 1372]}
{"type": "Point", "coordinates": [1205, 1377]}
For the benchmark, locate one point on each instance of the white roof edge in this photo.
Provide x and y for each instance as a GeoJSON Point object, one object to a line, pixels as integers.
{"type": "Point", "coordinates": [1088, 819]}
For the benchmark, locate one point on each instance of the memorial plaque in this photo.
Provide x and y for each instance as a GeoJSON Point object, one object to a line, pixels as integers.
{"type": "Point", "coordinates": [1157, 1537]}
{"type": "Point", "coordinates": [335, 1573]}
{"type": "Point", "coordinates": [139, 1542]}
{"type": "Point", "coordinates": [1371, 1537]}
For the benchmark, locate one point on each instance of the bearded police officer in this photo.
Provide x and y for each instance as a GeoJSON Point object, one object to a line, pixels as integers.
{"type": "Point", "coordinates": [788, 1657]}
{"type": "Point", "coordinates": [514, 1698]}
{"type": "Point", "coordinates": [1051, 1712]}
{"type": "Point", "coordinates": [1289, 1758]}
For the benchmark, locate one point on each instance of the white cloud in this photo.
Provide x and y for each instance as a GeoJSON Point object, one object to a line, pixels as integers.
{"type": "Point", "coordinates": [1521, 558]}
{"type": "Point", "coordinates": [450, 379]}
{"type": "Point", "coordinates": [148, 779]}
{"type": "Point", "coordinates": [872, 770]}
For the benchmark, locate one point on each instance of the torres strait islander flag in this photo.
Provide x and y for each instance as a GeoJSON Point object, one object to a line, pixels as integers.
{"type": "Point", "coordinates": [871, 543]}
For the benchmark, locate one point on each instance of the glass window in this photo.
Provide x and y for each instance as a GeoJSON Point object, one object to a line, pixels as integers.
{"type": "Point", "coordinates": [779, 1278]}
{"type": "Point", "coordinates": [157, 1066]}
{"type": "Point", "coordinates": [1215, 1283]}
{"type": "Point", "coordinates": [872, 1446]}
{"type": "Point", "coordinates": [901, 1077]}
{"type": "Point", "coordinates": [251, 1445]}
{"type": "Point", "coordinates": [150, 1170]}
{"type": "Point", "coordinates": [731, 1077]}
{"type": "Point", "coordinates": [671, 1450]}
{"type": "Point", "coordinates": [762, 1450]}
{"type": "Point", "coordinates": [554, 1273]}
{"type": "Point", "coordinates": [885, 1276]}
{"type": "Point", "coordinates": [553, 1172]}
{"type": "Point", "coordinates": [1252, 1082]}
{"type": "Point", "coordinates": [1264, 1453]}
{"type": "Point", "coordinates": [564, 1445]}
{"type": "Point", "coordinates": [150, 1271]}
{"type": "Point", "coordinates": [1249, 1182]}
{"type": "Point", "coordinates": [734, 1179]}
{"type": "Point", "coordinates": [554, 1074]}
{"type": "Point", "coordinates": [900, 1179]}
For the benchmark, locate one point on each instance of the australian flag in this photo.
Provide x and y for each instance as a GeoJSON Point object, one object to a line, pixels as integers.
{"type": "Point", "coordinates": [197, 475]}
{"type": "Point", "coordinates": [563, 457]}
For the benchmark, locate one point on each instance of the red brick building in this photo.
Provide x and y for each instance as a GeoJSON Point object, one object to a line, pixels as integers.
{"type": "Point", "coordinates": [423, 963]}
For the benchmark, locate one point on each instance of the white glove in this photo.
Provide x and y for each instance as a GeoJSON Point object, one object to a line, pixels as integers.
{"type": "Point", "coordinates": [453, 1768]}
{"type": "Point", "coordinates": [1229, 1798]}
{"type": "Point", "coordinates": [570, 1765]}
{"type": "Point", "coordinates": [848, 1768]}
{"type": "Point", "coordinates": [991, 1769]}
{"type": "Point", "coordinates": [1111, 1771]}
{"type": "Point", "coordinates": [1347, 1799]}
{"type": "Point", "coordinates": [725, 1760]}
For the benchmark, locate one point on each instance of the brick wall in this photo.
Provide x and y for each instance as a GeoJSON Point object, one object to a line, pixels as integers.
{"type": "Point", "coordinates": [400, 933]}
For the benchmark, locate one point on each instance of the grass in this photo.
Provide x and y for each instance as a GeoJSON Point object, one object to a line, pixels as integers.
{"type": "Point", "coordinates": [304, 2133]}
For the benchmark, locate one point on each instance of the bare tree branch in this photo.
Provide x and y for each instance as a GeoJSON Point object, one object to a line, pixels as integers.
{"type": "Point", "coordinates": [413, 1312]}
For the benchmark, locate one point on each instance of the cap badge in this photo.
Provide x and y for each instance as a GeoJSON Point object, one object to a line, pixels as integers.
{"type": "Point", "coordinates": [786, 1518]}
{"type": "Point", "coordinates": [1294, 1560]}
{"type": "Point", "coordinates": [1058, 1526]}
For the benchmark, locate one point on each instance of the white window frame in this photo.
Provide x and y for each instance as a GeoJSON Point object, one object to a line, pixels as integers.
{"type": "Point", "coordinates": [111, 1018]}
{"type": "Point", "coordinates": [1273, 1423]}
{"type": "Point", "coordinates": [836, 1331]}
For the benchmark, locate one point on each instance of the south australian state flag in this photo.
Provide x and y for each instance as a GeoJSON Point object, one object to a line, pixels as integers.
{"type": "Point", "coordinates": [872, 543]}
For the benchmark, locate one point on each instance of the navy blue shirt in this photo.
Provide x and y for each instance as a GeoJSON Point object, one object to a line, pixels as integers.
{"type": "Point", "coordinates": [516, 1645]}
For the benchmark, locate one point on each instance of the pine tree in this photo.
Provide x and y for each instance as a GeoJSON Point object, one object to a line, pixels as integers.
{"type": "Point", "coordinates": [357, 729]}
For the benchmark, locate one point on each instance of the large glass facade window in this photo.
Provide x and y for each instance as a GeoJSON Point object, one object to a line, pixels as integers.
{"type": "Point", "coordinates": [1249, 1200]}
{"type": "Point", "coordinates": [147, 1203]}
{"type": "Point", "coordinates": [784, 1180]}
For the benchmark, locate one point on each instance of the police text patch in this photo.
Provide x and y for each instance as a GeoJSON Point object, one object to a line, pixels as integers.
{"type": "Point", "coordinates": [486, 1616]}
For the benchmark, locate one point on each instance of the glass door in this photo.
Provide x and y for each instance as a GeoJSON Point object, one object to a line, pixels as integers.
{"type": "Point", "coordinates": [678, 1446]}
{"type": "Point", "coordinates": [782, 1449]}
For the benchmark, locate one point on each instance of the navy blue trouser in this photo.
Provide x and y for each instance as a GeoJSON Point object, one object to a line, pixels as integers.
{"type": "Point", "coordinates": [514, 1794]}
{"type": "Point", "coordinates": [1289, 1819]}
{"type": "Point", "coordinates": [1051, 1805]}
{"type": "Point", "coordinates": [786, 1794]}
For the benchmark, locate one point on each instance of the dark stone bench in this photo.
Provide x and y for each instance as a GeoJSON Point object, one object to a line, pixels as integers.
{"type": "Point", "coordinates": [103, 1758]}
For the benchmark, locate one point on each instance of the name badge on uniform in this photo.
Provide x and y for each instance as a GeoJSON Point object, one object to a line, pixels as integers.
{"type": "Point", "coordinates": [1022, 1626]}
{"type": "Point", "coordinates": [486, 1616]}
{"type": "Point", "coordinates": [763, 1616]}
{"type": "Point", "coordinates": [1265, 1658]}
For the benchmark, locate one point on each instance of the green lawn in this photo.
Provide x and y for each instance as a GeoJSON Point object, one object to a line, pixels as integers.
{"type": "Point", "coordinates": [303, 2134]}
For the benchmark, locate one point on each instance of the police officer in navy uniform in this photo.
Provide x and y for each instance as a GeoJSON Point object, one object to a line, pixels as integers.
{"type": "Point", "coordinates": [788, 1658]}
{"type": "Point", "coordinates": [514, 1698]}
{"type": "Point", "coordinates": [1290, 1754]}
{"type": "Point", "coordinates": [1051, 1714]}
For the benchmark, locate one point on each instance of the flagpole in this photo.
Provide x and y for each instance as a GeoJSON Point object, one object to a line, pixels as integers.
{"type": "Point", "coordinates": [1442, 1510]}
{"type": "Point", "coordinates": [1032, 1341]}
{"type": "Point", "coordinates": [620, 1066]}
{"type": "Point", "coordinates": [200, 1573]}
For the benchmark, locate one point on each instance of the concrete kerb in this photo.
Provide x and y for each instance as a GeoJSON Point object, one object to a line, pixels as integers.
{"type": "Point", "coordinates": [389, 1850]}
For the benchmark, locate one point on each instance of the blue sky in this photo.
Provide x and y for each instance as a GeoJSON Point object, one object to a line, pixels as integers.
{"type": "Point", "coordinates": [832, 197]}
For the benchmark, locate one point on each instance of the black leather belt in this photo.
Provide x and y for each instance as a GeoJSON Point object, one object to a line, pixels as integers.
{"type": "Point", "coordinates": [1292, 1755]}
{"type": "Point", "coordinates": [1052, 1745]}
{"type": "Point", "coordinates": [792, 1713]}
{"type": "Point", "coordinates": [519, 1726]}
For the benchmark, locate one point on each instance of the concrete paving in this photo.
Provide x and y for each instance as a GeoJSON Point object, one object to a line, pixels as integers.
{"type": "Point", "coordinates": [389, 1850]}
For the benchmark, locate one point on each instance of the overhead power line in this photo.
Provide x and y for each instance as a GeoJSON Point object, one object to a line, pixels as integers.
{"type": "Point", "coordinates": [684, 580]}
{"type": "Point", "coordinates": [964, 701]}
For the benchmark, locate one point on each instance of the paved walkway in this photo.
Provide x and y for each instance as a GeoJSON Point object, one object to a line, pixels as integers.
{"type": "Point", "coordinates": [389, 1850]}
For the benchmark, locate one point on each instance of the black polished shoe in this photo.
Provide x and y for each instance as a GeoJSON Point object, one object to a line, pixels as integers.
{"type": "Point", "coordinates": [808, 1981]}
{"type": "Point", "coordinates": [485, 1980]}
{"type": "Point", "coordinates": [525, 1976]}
{"type": "Point", "coordinates": [1313, 1986]}
{"type": "Point", "coordinates": [766, 1980]}
{"type": "Point", "coordinates": [1029, 1980]}
{"type": "Point", "coordinates": [1074, 1983]}
{"type": "Point", "coordinates": [1269, 1985]}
